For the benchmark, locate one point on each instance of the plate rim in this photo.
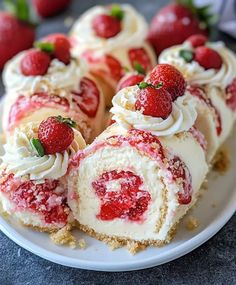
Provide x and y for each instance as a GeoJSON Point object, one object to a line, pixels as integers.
{"type": "Point", "coordinates": [180, 250]}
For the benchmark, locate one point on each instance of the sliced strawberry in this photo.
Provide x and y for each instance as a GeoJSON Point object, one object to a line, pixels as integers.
{"type": "Point", "coordinates": [140, 56]}
{"type": "Point", "coordinates": [197, 40]}
{"type": "Point", "coordinates": [114, 66]}
{"type": "Point", "coordinates": [87, 97]}
{"type": "Point", "coordinates": [128, 202]}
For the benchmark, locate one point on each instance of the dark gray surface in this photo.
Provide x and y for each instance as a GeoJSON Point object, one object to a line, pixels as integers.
{"type": "Point", "coordinates": [212, 263]}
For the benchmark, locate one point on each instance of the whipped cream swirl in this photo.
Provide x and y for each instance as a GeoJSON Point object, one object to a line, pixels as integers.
{"type": "Point", "coordinates": [133, 33]}
{"type": "Point", "coordinates": [60, 78]}
{"type": "Point", "coordinates": [181, 119]}
{"type": "Point", "coordinates": [196, 74]}
{"type": "Point", "coordinates": [21, 159]}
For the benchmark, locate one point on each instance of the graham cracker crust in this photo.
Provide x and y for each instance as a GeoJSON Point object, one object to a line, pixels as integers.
{"type": "Point", "coordinates": [221, 161]}
{"type": "Point", "coordinates": [132, 246]}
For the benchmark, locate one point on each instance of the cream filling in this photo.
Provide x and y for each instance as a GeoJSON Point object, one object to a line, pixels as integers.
{"type": "Point", "coordinates": [129, 159]}
{"type": "Point", "coordinates": [27, 217]}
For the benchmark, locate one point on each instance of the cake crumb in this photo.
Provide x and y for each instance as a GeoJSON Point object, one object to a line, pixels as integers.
{"type": "Point", "coordinates": [82, 243]}
{"type": "Point", "coordinates": [192, 223]}
{"type": "Point", "coordinates": [114, 244]}
{"type": "Point", "coordinates": [134, 247]}
{"type": "Point", "coordinates": [64, 237]}
{"type": "Point", "coordinates": [68, 22]}
{"type": "Point", "coordinates": [221, 161]}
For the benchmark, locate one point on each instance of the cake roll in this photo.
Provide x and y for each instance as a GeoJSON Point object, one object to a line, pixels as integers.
{"type": "Point", "coordinates": [139, 177]}
{"type": "Point", "coordinates": [112, 39]}
{"type": "Point", "coordinates": [63, 88]}
{"type": "Point", "coordinates": [212, 68]}
{"type": "Point", "coordinates": [36, 156]}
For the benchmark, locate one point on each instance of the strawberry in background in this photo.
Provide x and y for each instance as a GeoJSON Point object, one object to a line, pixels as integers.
{"type": "Point", "coordinates": [48, 8]}
{"type": "Point", "coordinates": [174, 23]}
{"type": "Point", "coordinates": [16, 31]}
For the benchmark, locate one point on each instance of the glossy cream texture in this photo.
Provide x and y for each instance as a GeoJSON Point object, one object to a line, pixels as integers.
{"type": "Point", "coordinates": [196, 74]}
{"type": "Point", "coordinates": [59, 79]}
{"type": "Point", "coordinates": [181, 119]}
{"type": "Point", "coordinates": [21, 158]}
{"type": "Point", "coordinates": [133, 33]}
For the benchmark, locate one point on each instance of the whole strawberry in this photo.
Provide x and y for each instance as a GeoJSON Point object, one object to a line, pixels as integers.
{"type": "Point", "coordinates": [108, 25]}
{"type": "Point", "coordinates": [172, 80]}
{"type": "Point", "coordinates": [174, 23]}
{"type": "Point", "coordinates": [56, 134]}
{"type": "Point", "coordinates": [16, 33]}
{"type": "Point", "coordinates": [130, 79]}
{"type": "Point", "coordinates": [61, 46]}
{"type": "Point", "coordinates": [48, 8]}
{"type": "Point", "coordinates": [153, 100]}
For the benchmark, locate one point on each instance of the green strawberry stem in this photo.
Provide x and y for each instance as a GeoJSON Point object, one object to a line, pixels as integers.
{"type": "Point", "coordinates": [206, 18]}
{"type": "Point", "coordinates": [143, 85]}
{"type": "Point", "coordinates": [20, 9]}
{"type": "Point", "coordinates": [138, 67]}
{"type": "Point", "coordinates": [117, 12]}
{"type": "Point", "coordinates": [186, 54]}
{"type": "Point", "coordinates": [67, 121]}
{"type": "Point", "coordinates": [45, 46]}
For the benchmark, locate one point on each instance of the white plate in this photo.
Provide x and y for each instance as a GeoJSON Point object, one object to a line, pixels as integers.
{"type": "Point", "coordinates": [97, 256]}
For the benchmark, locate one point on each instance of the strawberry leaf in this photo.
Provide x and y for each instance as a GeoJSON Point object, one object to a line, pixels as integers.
{"type": "Point", "coordinates": [138, 67]}
{"type": "Point", "coordinates": [187, 55]}
{"type": "Point", "coordinates": [67, 121]}
{"type": "Point", "coordinates": [37, 146]}
{"type": "Point", "coordinates": [117, 12]}
{"type": "Point", "coordinates": [45, 46]}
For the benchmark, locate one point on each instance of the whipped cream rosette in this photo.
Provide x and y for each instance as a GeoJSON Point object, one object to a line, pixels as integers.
{"type": "Point", "coordinates": [32, 186]}
{"type": "Point", "coordinates": [65, 89]}
{"type": "Point", "coordinates": [220, 81]}
{"type": "Point", "coordinates": [139, 177]}
{"type": "Point", "coordinates": [119, 43]}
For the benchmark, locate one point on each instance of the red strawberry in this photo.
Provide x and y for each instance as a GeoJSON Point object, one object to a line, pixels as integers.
{"type": "Point", "coordinates": [174, 23]}
{"type": "Point", "coordinates": [208, 58]}
{"type": "Point", "coordinates": [87, 97]}
{"type": "Point", "coordinates": [61, 47]}
{"type": "Point", "coordinates": [56, 134]}
{"type": "Point", "coordinates": [130, 80]}
{"type": "Point", "coordinates": [35, 62]}
{"type": "Point", "coordinates": [16, 34]}
{"type": "Point", "coordinates": [47, 8]}
{"type": "Point", "coordinates": [197, 40]}
{"type": "Point", "coordinates": [173, 81]}
{"type": "Point", "coordinates": [114, 66]}
{"type": "Point", "coordinates": [106, 26]}
{"type": "Point", "coordinates": [140, 56]}
{"type": "Point", "coordinates": [155, 102]}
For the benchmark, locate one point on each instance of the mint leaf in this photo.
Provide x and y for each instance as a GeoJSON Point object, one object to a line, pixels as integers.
{"type": "Point", "coordinates": [67, 121]}
{"type": "Point", "coordinates": [37, 146]}
{"type": "Point", "coordinates": [187, 55]}
{"type": "Point", "coordinates": [138, 67]}
{"type": "Point", "coordinates": [45, 46]}
{"type": "Point", "coordinates": [117, 12]}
